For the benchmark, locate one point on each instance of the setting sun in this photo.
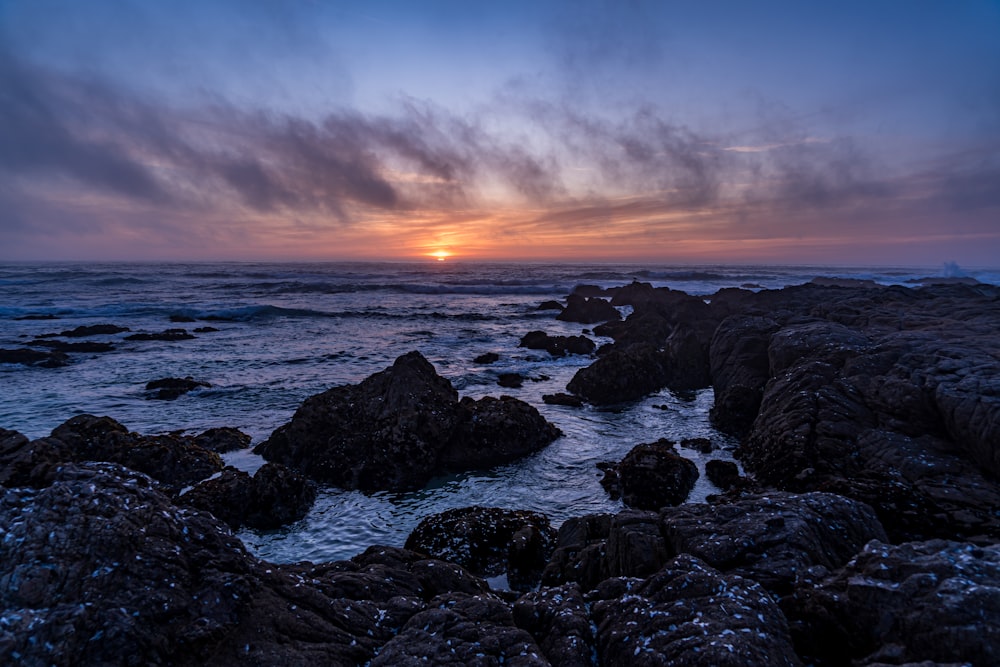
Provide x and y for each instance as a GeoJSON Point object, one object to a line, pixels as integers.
{"type": "Point", "coordinates": [440, 255]}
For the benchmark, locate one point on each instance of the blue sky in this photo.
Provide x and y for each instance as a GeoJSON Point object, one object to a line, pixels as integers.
{"type": "Point", "coordinates": [849, 132]}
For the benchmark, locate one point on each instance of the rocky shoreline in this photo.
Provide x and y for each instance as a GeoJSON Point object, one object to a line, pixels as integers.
{"type": "Point", "coordinates": [866, 530]}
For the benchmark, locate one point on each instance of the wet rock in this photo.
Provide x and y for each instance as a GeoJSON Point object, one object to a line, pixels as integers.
{"type": "Point", "coordinates": [581, 547]}
{"type": "Point", "coordinates": [461, 630]}
{"type": "Point", "coordinates": [173, 460]}
{"type": "Point", "coordinates": [84, 347]}
{"type": "Point", "coordinates": [93, 330]}
{"type": "Point", "coordinates": [182, 319]}
{"type": "Point", "coordinates": [724, 474]}
{"type": "Point", "coordinates": [488, 541]}
{"type": "Point", "coordinates": [586, 290]}
{"type": "Point", "coordinates": [167, 389]}
{"type": "Point", "coordinates": [510, 380]}
{"type": "Point", "coordinates": [567, 400]}
{"type": "Point", "coordinates": [273, 497]}
{"type": "Point", "coordinates": [587, 310]}
{"type": "Point", "coordinates": [222, 439]}
{"type": "Point", "coordinates": [398, 428]}
{"type": "Point", "coordinates": [652, 475]}
{"type": "Point", "coordinates": [703, 445]}
{"type": "Point", "coordinates": [740, 370]}
{"type": "Point", "coordinates": [205, 330]}
{"type": "Point", "coordinates": [559, 620]}
{"type": "Point", "coordinates": [549, 305]}
{"type": "Point", "coordinates": [29, 463]}
{"type": "Point", "coordinates": [689, 614]}
{"type": "Point", "coordinates": [557, 346]}
{"type": "Point", "coordinates": [28, 357]}
{"type": "Point", "coordinates": [168, 335]}
{"type": "Point", "coordinates": [776, 539]}
{"type": "Point", "coordinates": [487, 358]}
{"type": "Point", "coordinates": [935, 601]}
{"type": "Point", "coordinates": [621, 375]}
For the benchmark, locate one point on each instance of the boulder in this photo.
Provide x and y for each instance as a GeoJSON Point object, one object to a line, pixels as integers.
{"type": "Point", "coordinates": [488, 541]}
{"type": "Point", "coordinates": [167, 389]}
{"type": "Point", "coordinates": [587, 310]}
{"type": "Point", "coordinates": [549, 305]}
{"type": "Point", "coordinates": [28, 357]}
{"type": "Point", "coordinates": [651, 476]}
{"type": "Point", "coordinates": [401, 426]}
{"type": "Point", "coordinates": [223, 439]}
{"type": "Point", "coordinates": [487, 358]}
{"type": "Point", "coordinates": [724, 474]}
{"type": "Point", "coordinates": [557, 346]}
{"type": "Point", "coordinates": [510, 380]}
{"type": "Point", "coordinates": [920, 602]}
{"type": "Point", "coordinates": [567, 400]}
{"type": "Point", "coordinates": [93, 330]}
{"type": "Point", "coordinates": [559, 620]}
{"type": "Point", "coordinates": [621, 375]}
{"type": "Point", "coordinates": [273, 497]}
{"type": "Point", "coordinates": [689, 614]}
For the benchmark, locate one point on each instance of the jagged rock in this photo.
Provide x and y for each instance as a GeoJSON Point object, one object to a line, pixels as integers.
{"type": "Point", "coordinates": [584, 289]}
{"type": "Point", "coordinates": [651, 476]}
{"type": "Point", "coordinates": [273, 497]}
{"type": "Point", "coordinates": [724, 474]}
{"type": "Point", "coordinates": [167, 389]}
{"type": "Point", "coordinates": [173, 460]}
{"type": "Point", "coordinates": [581, 547]}
{"type": "Point", "coordinates": [510, 380]}
{"type": "Point", "coordinates": [934, 601]}
{"type": "Point", "coordinates": [168, 335]}
{"type": "Point", "coordinates": [488, 541]}
{"type": "Point", "coordinates": [621, 375]}
{"type": "Point", "coordinates": [401, 426]}
{"type": "Point", "coordinates": [776, 539]}
{"type": "Point", "coordinates": [740, 370]}
{"type": "Point", "coordinates": [223, 439]}
{"type": "Point", "coordinates": [28, 357]}
{"type": "Point", "coordinates": [567, 400]}
{"type": "Point", "coordinates": [557, 346]}
{"type": "Point", "coordinates": [487, 358]}
{"type": "Point", "coordinates": [461, 630]}
{"type": "Point", "coordinates": [587, 310]}
{"type": "Point", "coordinates": [559, 620]}
{"type": "Point", "coordinates": [689, 614]}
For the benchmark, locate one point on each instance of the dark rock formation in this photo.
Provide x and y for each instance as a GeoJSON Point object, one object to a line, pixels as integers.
{"type": "Point", "coordinates": [273, 497]}
{"type": "Point", "coordinates": [740, 370]}
{"type": "Point", "coordinates": [28, 357]}
{"type": "Point", "coordinates": [399, 427]}
{"type": "Point", "coordinates": [587, 310]}
{"type": "Point", "coordinates": [621, 375]}
{"type": "Point", "coordinates": [182, 319]}
{"type": "Point", "coordinates": [651, 476]}
{"type": "Point", "coordinates": [689, 614]}
{"type": "Point", "coordinates": [510, 380]}
{"type": "Point", "coordinates": [567, 400]}
{"type": "Point", "coordinates": [63, 346]}
{"type": "Point", "coordinates": [487, 358]}
{"type": "Point", "coordinates": [584, 289]}
{"type": "Point", "coordinates": [205, 330]}
{"type": "Point", "coordinates": [557, 346]}
{"type": "Point", "coordinates": [93, 330]}
{"type": "Point", "coordinates": [168, 335]}
{"type": "Point", "coordinates": [167, 389]}
{"type": "Point", "coordinates": [549, 305]}
{"type": "Point", "coordinates": [559, 620]}
{"type": "Point", "coordinates": [920, 602]}
{"type": "Point", "coordinates": [173, 460]}
{"type": "Point", "coordinates": [489, 541]}
{"type": "Point", "coordinates": [724, 474]}
{"type": "Point", "coordinates": [222, 439]}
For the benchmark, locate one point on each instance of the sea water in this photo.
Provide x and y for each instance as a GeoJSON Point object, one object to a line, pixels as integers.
{"type": "Point", "coordinates": [288, 331]}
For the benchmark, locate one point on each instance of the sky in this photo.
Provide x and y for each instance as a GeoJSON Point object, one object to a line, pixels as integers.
{"type": "Point", "coordinates": [678, 132]}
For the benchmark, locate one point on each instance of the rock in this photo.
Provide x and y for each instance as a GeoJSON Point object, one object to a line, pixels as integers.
{"type": "Point", "coordinates": [776, 539]}
{"type": "Point", "coordinates": [510, 380]}
{"type": "Point", "coordinates": [488, 541]}
{"type": "Point", "coordinates": [28, 357]}
{"type": "Point", "coordinates": [487, 358]}
{"type": "Point", "coordinates": [559, 620]}
{"type": "Point", "coordinates": [740, 370]}
{"type": "Point", "coordinates": [936, 601]}
{"type": "Point", "coordinates": [703, 445]}
{"type": "Point", "coordinates": [36, 316]}
{"type": "Point", "coordinates": [167, 389]}
{"type": "Point", "coordinates": [205, 330]}
{"type": "Point", "coordinates": [398, 428]}
{"type": "Point", "coordinates": [168, 335]}
{"type": "Point", "coordinates": [567, 400]}
{"type": "Point", "coordinates": [273, 497]}
{"type": "Point", "coordinates": [62, 346]}
{"type": "Point", "coordinates": [557, 346]}
{"type": "Point", "coordinates": [98, 567]}
{"type": "Point", "coordinates": [549, 305]}
{"type": "Point", "coordinates": [461, 630]}
{"type": "Point", "coordinates": [620, 375]}
{"type": "Point", "coordinates": [182, 319]}
{"type": "Point", "coordinates": [724, 474]}
{"type": "Point", "coordinates": [581, 547]}
{"type": "Point", "coordinates": [689, 614]}
{"type": "Point", "coordinates": [588, 290]}
{"type": "Point", "coordinates": [93, 330]}
{"type": "Point", "coordinates": [29, 463]}
{"type": "Point", "coordinates": [222, 440]}
{"type": "Point", "coordinates": [174, 461]}
{"type": "Point", "coordinates": [653, 475]}
{"type": "Point", "coordinates": [587, 310]}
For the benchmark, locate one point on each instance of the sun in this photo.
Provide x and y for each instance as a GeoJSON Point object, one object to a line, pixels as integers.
{"type": "Point", "coordinates": [440, 255]}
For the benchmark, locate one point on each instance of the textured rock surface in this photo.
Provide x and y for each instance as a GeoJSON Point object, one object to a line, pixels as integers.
{"type": "Point", "coordinates": [401, 426]}
{"type": "Point", "coordinates": [586, 310]}
{"type": "Point", "coordinates": [557, 346]}
{"type": "Point", "coordinates": [489, 541]}
{"type": "Point", "coordinates": [932, 601]}
{"type": "Point", "coordinates": [651, 476]}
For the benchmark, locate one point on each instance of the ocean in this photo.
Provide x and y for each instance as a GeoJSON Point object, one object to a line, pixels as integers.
{"type": "Point", "coordinates": [286, 331]}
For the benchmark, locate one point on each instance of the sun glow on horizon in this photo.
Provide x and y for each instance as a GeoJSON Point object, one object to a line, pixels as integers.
{"type": "Point", "coordinates": [440, 255]}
